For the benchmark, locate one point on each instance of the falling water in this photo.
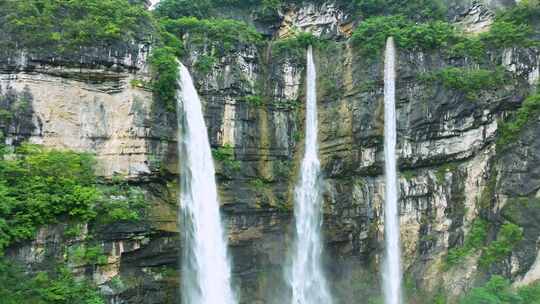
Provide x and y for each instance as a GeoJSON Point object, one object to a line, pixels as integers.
{"type": "Point", "coordinates": [391, 267]}
{"type": "Point", "coordinates": [206, 277]}
{"type": "Point", "coordinates": [308, 283]}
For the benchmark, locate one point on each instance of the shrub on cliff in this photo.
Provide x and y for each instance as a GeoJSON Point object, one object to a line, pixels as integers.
{"type": "Point", "coordinates": [175, 9]}
{"type": "Point", "coordinates": [58, 287]}
{"type": "Point", "coordinates": [415, 9]}
{"type": "Point", "coordinates": [370, 36]}
{"type": "Point", "coordinates": [67, 26]}
{"type": "Point", "coordinates": [499, 291]}
{"type": "Point", "coordinates": [40, 186]}
{"type": "Point", "coordinates": [221, 34]}
{"type": "Point", "coordinates": [510, 130]}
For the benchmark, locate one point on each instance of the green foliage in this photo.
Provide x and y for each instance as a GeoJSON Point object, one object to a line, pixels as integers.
{"type": "Point", "coordinates": [254, 100]}
{"type": "Point", "coordinates": [205, 63]}
{"type": "Point", "coordinates": [408, 174]}
{"type": "Point", "coordinates": [510, 130]}
{"type": "Point", "coordinates": [387, 18]}
{"type": "Point", "coordinates": [413, 9]}
{"type": "Point", "coordinates": [295, 46]}
{"type": "Point", "coordinates": [125, 202]}
{"type": "Point", "coordinates": [496, 291]}
{"type": "Point", "coordinates": [175, 9]}
{"type": "Point", "coordinates": [39, 186]}
{"type": "Point", "coordinates": [472, 47]}
{"type": "Point", "coordinates": [58, 287]}
{"type": "Point", "coordinates": [439, 298]}
{"type": "Point", "coordinates": [530, 294]}
{"type": "Point", "coordinates": [225, 155]}
{"type": "Point", "coordinates": [509, 235]}
{"type": "Point", "coordinates": [370, 36]}
{"type": "Point", "coordinates": [443, 169]}
{"type": "Point", "coordinates": [512, 27]}
{"type": "Point", "coordinates": [467, 81]}
{"type": "Point", "coordinates": [64, 26]}
{"type": "Point", "coordinates": [259, 184]}
{"type": "Point", "coordinates": [499, 291]}
{"type": "Point", "coordinates": [73, 230]}
{"type": "Point", "coordinates": [165, 67]}
{"type": "Point", "coordinates": [138, 83]}
{"type": "Point", "coordinates": [506, 34]}
{"type": "Point", "coordinates": [88, 255]}
{"type": "Point", "coordinates": [262, 9]}
{"type": "Point", "coordinates": [473, 242]}
{"type": "Point", "coordinates": [221, 34]}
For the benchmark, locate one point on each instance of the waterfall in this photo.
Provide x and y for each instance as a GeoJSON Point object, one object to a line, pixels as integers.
{"type": "Point", "coordinates": [206, 275]}
{"type": "Point", "coordinates": [391, 267]}
{"type": "Point", "coordinates": [307, 282]}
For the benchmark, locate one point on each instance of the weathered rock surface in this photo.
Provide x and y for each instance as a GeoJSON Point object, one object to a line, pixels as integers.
{"type": "Point", "coordinates": [447, 158]}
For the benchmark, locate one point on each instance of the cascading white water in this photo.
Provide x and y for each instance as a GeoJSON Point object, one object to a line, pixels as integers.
{"type": "Point", "coordinates": [307, 279]}
{"type": "Point", "coordinates": [206, 277]}
{"type": "Point", "coordinates": [392, 258]}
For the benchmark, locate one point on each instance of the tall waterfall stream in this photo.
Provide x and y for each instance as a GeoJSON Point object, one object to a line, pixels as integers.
{"type": "Point", "coordinates": [392, 255]}
{"type": "Point", "coordinates": [307, 279]}
{"type": "Point", "coordinates": [206, 275]}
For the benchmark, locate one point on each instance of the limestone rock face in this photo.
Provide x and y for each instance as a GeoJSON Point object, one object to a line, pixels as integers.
{"type": "Point", "coordinates": [326, 19]}
{"type": "Point", "coordinates": [105, 111]}
{"type": "Point", "coordinates": [451, 169]}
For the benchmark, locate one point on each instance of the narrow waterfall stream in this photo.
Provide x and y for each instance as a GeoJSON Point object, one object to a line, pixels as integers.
{"type": "Point", "coordinates": [307, 279]}
{"type": "Point", "coordinates": [206, 275]}
{"type": "Point", "coordinates": [392, 257]}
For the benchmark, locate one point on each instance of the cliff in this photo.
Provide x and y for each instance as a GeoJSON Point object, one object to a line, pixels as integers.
{"type": "Point", "coordinates": [458, 176]}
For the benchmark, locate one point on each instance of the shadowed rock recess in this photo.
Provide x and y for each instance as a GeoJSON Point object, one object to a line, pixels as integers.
{"type": "Point", "coordinates": [468, 144]}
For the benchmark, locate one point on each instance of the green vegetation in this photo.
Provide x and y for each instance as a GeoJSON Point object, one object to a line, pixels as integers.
{"type": "Point", "coordinates": [530, 294]}
{"type": "Point", "coordinates": [124, 202]}
{"type": "Point", "coordinates": [259, 184]}
{"type": "Point", "coordinates": [218, 36]}
{"type": "Point", "coordinates": [510, 130]}
{"type": "Point", "coordinates": [164, 64]}
{"type": "Point", "coordinates": [467, 81]}
{"type": "Point", "coordinates": [14, 105]}
{"type": "Point", "coordinates": [68, 26]}
{"type": "Point", "coordinates": [165, 67]}
{"type": "Point", "coordinates": [408, 174]}
{"type": "Point", "coordinates": [400, 19]}
{"type": "Point", "coordinates": [225, 155]}
{"type": "Point", "coordinates": [509, 235]}
{"type": "Point", "coordinates": [370, 36]}
{"type": "Point", "coordinates": [443, 169]}
{"type": "Point", "coordinates": [222, 35]}
{"type": "Point", "coordinates": [205, 63]}
{"type": "Point", "coordinates": [175, 9]}
{"type": "Point", "coordinates": [465, 46]}
{"type": "Point", "coordinates": [39, 186]}
{"type": "Point", "coordinates": [473, 242]}
{"type": "Point", "coordinates": [254, 100]}
{"type": "Point", "coordinates": [295, 46]}
{"type": "Point", "coordinates": [88, 255]}
{"type": "Point", "coordinates": [58, 287]}
{"type": "Point", "coordinates": [414, 10]}
{"type": "Point", "coordinates": [512, 27]}
{"type": "Point", "coordinates": [499, 291]}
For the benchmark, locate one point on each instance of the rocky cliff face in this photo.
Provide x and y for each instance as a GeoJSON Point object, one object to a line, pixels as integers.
{"type": "Point", "coordinates": [451, 168]}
